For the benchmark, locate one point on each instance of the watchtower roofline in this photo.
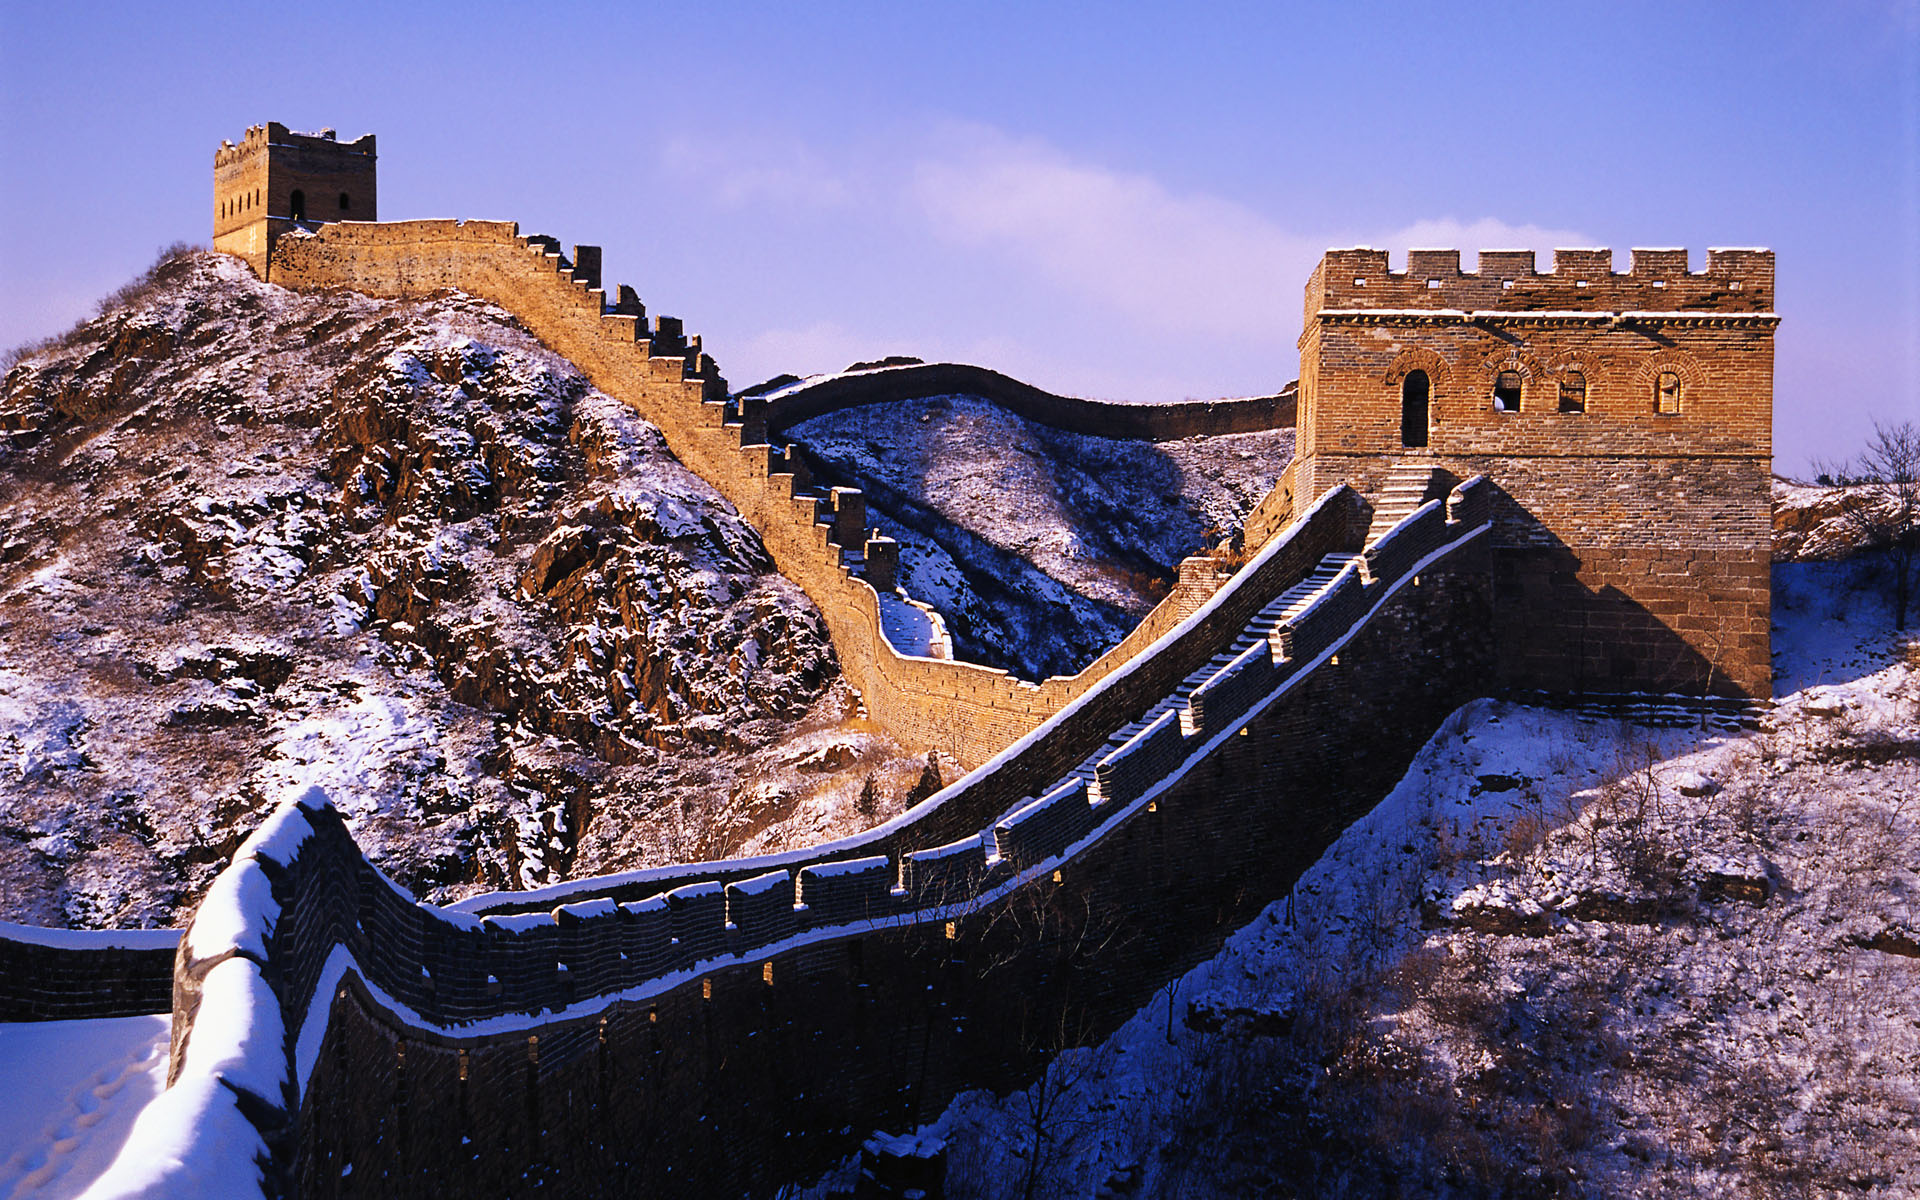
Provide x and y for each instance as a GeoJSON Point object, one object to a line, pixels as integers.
{"type": "Point", "coordinates": [273, 133]}
{"type": "Point", "coordinates": [1582, 281]}
{"type": "Point", "coordinates": [274, 179]}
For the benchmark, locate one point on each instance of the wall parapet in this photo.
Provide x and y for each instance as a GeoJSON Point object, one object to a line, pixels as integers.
{"type": "Point", "coordinates": [1032, 764]}
{"type": "Point", "coordinates": [71, 974]}
{"type": "Point", "coordinates": [1509, 282]}
{"type": "Point", "coordinates": [300, 920]}
{"type": "Point", "coordinates": [786, 406]}
{"type": "Point", "coordinates": [664, 375]}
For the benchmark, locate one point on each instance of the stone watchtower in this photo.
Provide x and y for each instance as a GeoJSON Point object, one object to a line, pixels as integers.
{"type": "Point", "coordinates": [1625, 419]}
{"type": "Point", "coordinates": [275, 180]}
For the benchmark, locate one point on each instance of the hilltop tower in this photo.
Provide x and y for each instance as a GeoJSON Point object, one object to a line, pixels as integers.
{"type": "Point", "coordinates": [275, 179]}
{"type": "Point", "coordinates": [1625, 419]}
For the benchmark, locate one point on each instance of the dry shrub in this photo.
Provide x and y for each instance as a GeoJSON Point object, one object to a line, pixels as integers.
{"type": "Point", "coordinates": [1526, 833]}
{"type": "Point", "coordinates": [167, 266]}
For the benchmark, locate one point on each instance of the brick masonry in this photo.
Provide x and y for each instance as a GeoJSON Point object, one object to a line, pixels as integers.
{"type": "Point", "coordinates": [725, 1068]}
{"type": "Point", "coordinates": [1633, 545]}
{"type": "Point", "coordinates": [71, 974]}
{"type": "Point", "coordinates": [969, 711]}
{"type": "Point", "coordinates": [698, 1032]}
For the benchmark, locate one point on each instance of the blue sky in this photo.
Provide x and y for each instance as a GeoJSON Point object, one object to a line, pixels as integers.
{"type": "Point", "coordinates": [1111, 200]}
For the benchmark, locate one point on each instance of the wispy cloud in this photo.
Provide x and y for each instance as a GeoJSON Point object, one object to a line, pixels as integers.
{"type": "Point", "coordinates": [1168, 276]}
{"type": "Point", "coordinates": [1174, 260]}
{"type": "Point", "coordinates": [746, 172]}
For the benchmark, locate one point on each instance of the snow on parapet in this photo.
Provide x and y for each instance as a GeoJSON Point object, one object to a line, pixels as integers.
{"type": "Point", "coordinates": [90, 939]}
{"type": "Point", "coordinates": [194, 1139]}
{"type": "Point", "coordinates": [197, 1142]}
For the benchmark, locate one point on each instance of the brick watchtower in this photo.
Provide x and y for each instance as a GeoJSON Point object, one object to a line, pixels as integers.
{"type": "Point", "coordinates": [1626, 420]}
{"type": "Point", "coordinates": [276, 179]}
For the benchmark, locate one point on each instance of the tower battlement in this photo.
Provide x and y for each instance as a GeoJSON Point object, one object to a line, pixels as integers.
{"type": "Point", "coordinates": [1735, 281]}
{"type": "Point", "coordinates": [275, 178]}
{"type": "Point", "coordinates": [1625, 418]}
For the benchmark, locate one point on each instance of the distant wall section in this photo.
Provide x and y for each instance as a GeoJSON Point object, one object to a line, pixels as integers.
{"type": "Point", "coordinates": [1159, 422]}
{"type": "Point", "coordinates": [816, 536]}
{"type": "Point", "coordinates": [76, 974]}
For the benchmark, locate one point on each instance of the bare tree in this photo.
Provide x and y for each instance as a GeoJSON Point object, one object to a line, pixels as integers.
{"type": "Point", "coordinates": [1883, 505]}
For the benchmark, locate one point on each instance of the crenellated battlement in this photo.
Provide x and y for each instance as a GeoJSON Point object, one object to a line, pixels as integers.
{"type": "Point", "coordinates": [275, 179]}
{"type": "Point", "coordinates": [273, 133]}
{"type": "Point", "coordinates": [1580, 281]}
{"type": "Point", "coordinates": [334, 1008]}
{"type": "Point", "coordinates": [1628, 416]}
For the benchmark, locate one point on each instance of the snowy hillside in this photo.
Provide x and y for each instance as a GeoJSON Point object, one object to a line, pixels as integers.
{"type": "Point", "coordinates": [249, 536]}
{"type": "Point", "coordinates": [1565, 957]}
{"type": "Point", "coordinates": [1040, 548]}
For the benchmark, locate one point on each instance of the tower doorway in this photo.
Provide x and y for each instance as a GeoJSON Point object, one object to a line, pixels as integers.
{"type": "Point", "coordinates": [1415, 392]}
{"type": "Point", "coordinates": [299, 205]}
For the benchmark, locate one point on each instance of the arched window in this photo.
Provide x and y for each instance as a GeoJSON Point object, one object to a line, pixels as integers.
{"type": "Point", "coordinates": [298, 205]}
{"type": "Point", "coordinates": [1666, 394]}
{"type": "Point", "coordinates": [1506, 391]}
{"type": "Point", "coordinates": [345, 204]}
{"type": "Point", "coordinates": [1573, 392]}
{"type": "Point", "coordinates": [1416, 391]}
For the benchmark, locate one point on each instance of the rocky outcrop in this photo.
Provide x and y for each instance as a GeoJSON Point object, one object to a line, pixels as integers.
{"type": "Point", "coordinates": [247, 534]}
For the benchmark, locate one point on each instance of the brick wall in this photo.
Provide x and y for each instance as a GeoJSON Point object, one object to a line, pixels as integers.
{"type": "Point", "coordinates": [1633, 544]}
{"type": "Point", "coordinates": [254, 183]}
{"type": "Point", "coordinates": [71, 974]}
{"type": "Point", "coordinates": [1101, 418]}
{"type": "Point", "coordinates": [969, 711]}
{"type": "Point", "coordinates": [1025, 771]}
{"type": "Point", "coordinates": [694, 1044]}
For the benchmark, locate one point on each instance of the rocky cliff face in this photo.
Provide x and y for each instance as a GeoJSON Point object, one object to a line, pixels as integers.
{"type": "Point", "coordinates": [250, 538]}
{"type": "Point", "coordinates": [1041, 548]}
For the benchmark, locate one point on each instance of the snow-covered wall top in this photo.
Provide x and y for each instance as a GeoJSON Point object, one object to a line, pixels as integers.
{"type": "Point", "coordinates": [70, 974]}
{"type": "Point", "coordinates": [301, 920]}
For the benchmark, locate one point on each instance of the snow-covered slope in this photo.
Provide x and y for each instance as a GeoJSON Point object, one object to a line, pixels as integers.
{"type": "Point", "coordinates": [249, 536]}
{"type": "Point", "coordinates": [1040, 548]}
{"type": "Point", "coordinates": [73, 1089]}
{"type": "Point", "coordinates": [1565, 957]}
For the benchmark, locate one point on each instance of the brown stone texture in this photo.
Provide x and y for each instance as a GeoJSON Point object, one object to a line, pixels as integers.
{"type": "Point", "coordinates": [1632, 545]}
{"type": "Point", "coordinates": [255, 184]}
{"type": "Point", "coordinates": [969, 711]}
{"type": "Point", "coordinates": [734, 1076]}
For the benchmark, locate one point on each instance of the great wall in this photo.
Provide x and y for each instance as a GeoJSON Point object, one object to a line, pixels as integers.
{"type": "Point", "coordinates": [730, 1027]}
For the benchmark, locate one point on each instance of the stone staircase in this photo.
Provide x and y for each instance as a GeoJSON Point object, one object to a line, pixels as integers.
{"type": "Point", "coordinates": [1284, 607]}
{"type": "Point", "coordinates": [1410, 483]}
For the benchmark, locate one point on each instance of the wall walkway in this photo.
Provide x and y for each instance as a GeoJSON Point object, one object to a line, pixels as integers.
{"type": "Point", "coordinates": [737, 1025]}
{"type": "Point", "coordinates": [817, 537]}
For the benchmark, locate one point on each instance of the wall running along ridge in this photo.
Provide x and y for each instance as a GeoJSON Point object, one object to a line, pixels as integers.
{"type": "Point", "coordinates": [1632, 547]}
{"type": "Point", "coordinates": [722, 1036]}
{"type": "Point", "coordinates": [781, 408]}
{"type": "Point", "coordinates": [817, 538]}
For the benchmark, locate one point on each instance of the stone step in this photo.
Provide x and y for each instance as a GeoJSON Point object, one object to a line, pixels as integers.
{"type": "Point", "coordinates": [1288, 604]}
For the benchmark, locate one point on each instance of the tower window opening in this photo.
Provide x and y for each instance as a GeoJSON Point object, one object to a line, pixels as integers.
{"type": "Point", "coordinates": [345, 204]}
{"type": "Point", "coordinates": [1416, 393]}
{"type": "Point", "coordinates": [1666, 394]}
{"type": "Point", "coordinates": [298, 205]}
{"type": "Point", "coordinates": [1506, 391]}
{"type": "Point", "coordinates": [1573, 392]}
